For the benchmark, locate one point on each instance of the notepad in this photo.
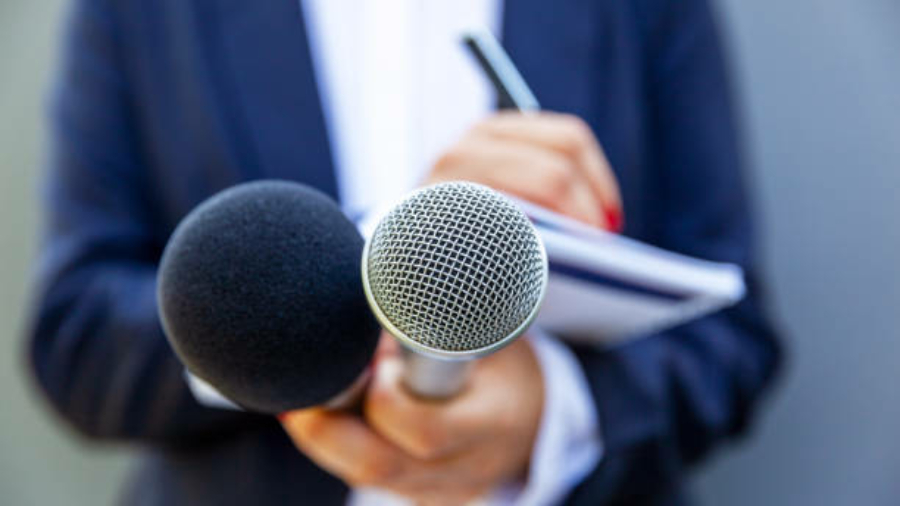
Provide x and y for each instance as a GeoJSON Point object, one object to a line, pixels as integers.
{"type": "Point", "coordinates": [607, 289]}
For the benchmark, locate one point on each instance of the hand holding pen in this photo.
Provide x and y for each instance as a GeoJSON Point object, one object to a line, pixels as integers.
{"type": "Point", "coordinates": [550, 159]}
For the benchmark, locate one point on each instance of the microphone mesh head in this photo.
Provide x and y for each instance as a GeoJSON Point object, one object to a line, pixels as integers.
{"type": "Point", "coordinates": [456, 267]}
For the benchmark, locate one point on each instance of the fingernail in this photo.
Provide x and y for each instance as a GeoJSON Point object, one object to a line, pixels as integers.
{"type": "Point", "coordinates": [614, 219]}
{"type": "Point", "coordinates": [282, 417]}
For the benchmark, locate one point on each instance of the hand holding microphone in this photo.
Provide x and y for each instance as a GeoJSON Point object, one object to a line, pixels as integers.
{"type": "Point", "coordinates": [261, 296]}
{"type": "Point", "coordinates": [435, 453]}
{"type": "Point", "coordinates": [459, 448]}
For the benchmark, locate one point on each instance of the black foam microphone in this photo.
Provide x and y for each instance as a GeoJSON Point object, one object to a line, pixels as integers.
{"type": "Point", "coordinates": [260, 295]}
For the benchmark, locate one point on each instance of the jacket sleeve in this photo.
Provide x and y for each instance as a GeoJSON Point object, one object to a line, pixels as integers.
{"type": "Point", "coordinates": [96, 347]}
{"type": "Point", "coordinates": [664, 402]}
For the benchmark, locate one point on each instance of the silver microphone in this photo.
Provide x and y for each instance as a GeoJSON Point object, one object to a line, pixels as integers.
{"type": "Point", "coordinates": [456, 271]}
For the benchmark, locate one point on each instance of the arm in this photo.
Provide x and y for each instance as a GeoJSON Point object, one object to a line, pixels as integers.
{"type": "Point", "coordinates": [666, 401]}
{"type": "Point", "coordinates": [96, 345]}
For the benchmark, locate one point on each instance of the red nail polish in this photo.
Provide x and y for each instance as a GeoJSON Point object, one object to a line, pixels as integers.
{"type": "Point", "coordinates": [282, 417]}
{"type": "Point", "coordinates": [615, 219]}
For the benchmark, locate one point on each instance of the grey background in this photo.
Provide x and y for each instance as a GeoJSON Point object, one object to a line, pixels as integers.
{"type": "Point", "coordinates": [820, 81]}
{"type": "Point", "coordinates": [40, 462]}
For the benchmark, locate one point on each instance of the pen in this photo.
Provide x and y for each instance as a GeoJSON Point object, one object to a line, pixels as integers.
{"type": "Point", "coordinates": [512, 90]}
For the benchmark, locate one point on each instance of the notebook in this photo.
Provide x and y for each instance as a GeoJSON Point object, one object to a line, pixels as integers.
{"type": "Point", "coordinates": [607, 289]}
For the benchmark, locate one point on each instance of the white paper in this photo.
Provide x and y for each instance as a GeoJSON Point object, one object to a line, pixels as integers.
{"type": "Point", "coordinates": [606, 289]}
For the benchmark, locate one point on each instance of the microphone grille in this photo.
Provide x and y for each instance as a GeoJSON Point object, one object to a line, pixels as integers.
{"type": "Point", "coordinates": [456, 267]}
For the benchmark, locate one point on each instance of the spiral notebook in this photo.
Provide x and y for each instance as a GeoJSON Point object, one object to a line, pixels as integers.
{"type": "Point", "coordinates": [608, 289]}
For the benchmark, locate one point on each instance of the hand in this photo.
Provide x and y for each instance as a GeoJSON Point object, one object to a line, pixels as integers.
{"type": "Point", "coordinates": [432, 452]}
{"type": "Point", "coordinates": [551, 159]}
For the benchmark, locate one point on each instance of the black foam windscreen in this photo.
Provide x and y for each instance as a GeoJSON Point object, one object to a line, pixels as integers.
{"type": "Point", "coordinates": [260, 295]}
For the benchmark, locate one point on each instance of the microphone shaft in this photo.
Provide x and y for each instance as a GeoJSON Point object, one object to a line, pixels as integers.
{"type": "Point", "coordinates": [433, 378]}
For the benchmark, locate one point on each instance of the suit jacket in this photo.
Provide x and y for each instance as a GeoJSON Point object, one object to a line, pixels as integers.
{"type": "Point", "coordinates": [160, 104]}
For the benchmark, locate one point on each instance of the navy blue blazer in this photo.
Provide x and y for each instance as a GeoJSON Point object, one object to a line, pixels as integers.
{"type": "Point", "coordinates": [159, 104]}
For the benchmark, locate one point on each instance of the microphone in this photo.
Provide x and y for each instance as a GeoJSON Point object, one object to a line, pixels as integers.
{"type": "Point", "coordinates": [260, 296]}
{"type": "Point", "coordinates": [455, 272]}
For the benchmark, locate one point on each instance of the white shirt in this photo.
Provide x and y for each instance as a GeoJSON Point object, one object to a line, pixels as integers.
{"type": "Point", "coordinates": [398, 89]}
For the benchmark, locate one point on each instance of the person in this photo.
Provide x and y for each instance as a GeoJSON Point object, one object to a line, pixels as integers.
{"type": "Point", "coordinates": [158, 105]}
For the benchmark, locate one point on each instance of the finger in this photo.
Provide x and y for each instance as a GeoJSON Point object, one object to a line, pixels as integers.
{"type": "Point", "coordinates": [534, 173]}
{"type": "Point", "coordinates": [387, 346]}
{"type": "Point", "coordinates": [567, 135]}
{"type": "Point", "coordinates": [499, 444]}
{"type": "Point", "coordinates": [586, 204]}
{"type": "Point", "coordinates": [603, 183]}
{"type": "Point", "coordinates": [343, 445]}
{"type": "Point", "coordinates": [427, 430]}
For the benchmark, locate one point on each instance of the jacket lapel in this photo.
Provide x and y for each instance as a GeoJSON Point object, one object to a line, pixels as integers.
{"type": "Point", "coordinates": [268, 73]}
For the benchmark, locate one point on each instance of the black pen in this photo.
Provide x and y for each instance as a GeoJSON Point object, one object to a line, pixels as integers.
{"type": "Point", "coordinates": [512, 90]}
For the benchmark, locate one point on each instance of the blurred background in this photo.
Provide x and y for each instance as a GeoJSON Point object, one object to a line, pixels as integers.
{"type": "Point", "coordinates": [820, 83]}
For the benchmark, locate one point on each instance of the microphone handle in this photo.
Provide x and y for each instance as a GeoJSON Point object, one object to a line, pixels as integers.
{"type": "Point", "coordinates": [434, 378]}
